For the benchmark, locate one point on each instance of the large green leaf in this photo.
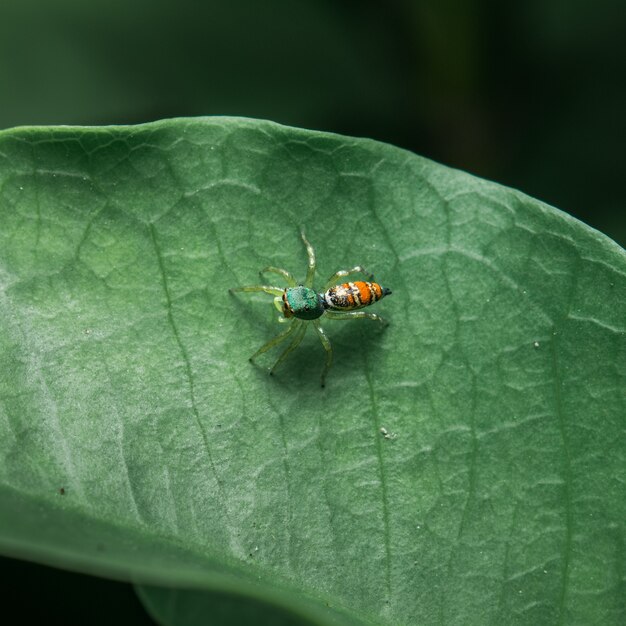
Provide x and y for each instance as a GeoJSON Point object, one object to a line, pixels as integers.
{"type": "Point", "coordinates": [137, 441]}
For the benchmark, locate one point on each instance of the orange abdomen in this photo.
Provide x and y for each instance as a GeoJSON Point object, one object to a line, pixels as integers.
{"type": "Point", "coordinates": [354, 295]}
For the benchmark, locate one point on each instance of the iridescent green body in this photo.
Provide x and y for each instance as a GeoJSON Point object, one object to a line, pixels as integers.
{"type": "Point", "coordinates": [301, 305]}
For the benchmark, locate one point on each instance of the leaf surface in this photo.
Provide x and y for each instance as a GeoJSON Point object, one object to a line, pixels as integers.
{"type": "Point", "coordinates": [137, 441]}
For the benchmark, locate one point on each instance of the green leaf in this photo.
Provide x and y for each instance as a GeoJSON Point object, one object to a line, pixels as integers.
{"type": "Point", "coordinates": [137, 441]}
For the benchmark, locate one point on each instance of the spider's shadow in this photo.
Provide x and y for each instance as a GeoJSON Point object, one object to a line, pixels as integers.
{"type": "Point", "coordinates": [353, 343]}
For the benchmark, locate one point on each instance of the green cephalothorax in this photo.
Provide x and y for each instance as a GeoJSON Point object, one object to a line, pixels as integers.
{"type": "Point", "coordinates": [303, 303]}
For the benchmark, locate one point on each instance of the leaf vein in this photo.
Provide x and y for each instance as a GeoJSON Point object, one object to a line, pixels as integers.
{"type": "Point", "coordinates": [187, 363]}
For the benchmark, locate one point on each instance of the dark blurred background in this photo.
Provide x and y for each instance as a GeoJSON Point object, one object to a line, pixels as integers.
{"type": "Point", "coordinates": [530, 94]}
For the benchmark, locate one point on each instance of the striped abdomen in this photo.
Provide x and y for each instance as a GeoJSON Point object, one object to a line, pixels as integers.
{"type": "Point", "coordinates": [354, 295]}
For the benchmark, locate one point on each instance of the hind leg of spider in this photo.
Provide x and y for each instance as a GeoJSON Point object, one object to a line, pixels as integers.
{"type": "Point", "coordinates": [274, 291]}
{"type": "Point", "coordinates": [354, 315]}
{"type": "Point", "coordinates": [357, 269]}
{"type": "Point", "coordinates": [276, 340]}
{"type": "Point", "coordinates": [310, 272]}
{"type": "Point", "coordinates": [291, 281]}
{"type": "Point", "coordinates": [327, 346]}
{"type": "Point", "coordinates": [292, 346]}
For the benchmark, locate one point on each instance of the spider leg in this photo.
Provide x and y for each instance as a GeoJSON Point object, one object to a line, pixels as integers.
{"type": "Point", "coordinates": [274, 291]}
{"type": "Point", "coordinates": [310, 273]}
{"type": "Point", "coordinates": [327, 346]}
{"type": "Point", "coordinates": [353, 315]}
{"type": "Point", "coordinates": [276, 340]}
{"type": "Point", "coordinates": [293, 345]}
{"type": "Point", "coordinates": [341, 273]}
{"type": "Point", "coordinates": [291, 281]}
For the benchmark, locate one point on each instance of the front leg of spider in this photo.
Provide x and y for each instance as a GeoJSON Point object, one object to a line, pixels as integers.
{"type": "Point", "coordinates": [301, 305]}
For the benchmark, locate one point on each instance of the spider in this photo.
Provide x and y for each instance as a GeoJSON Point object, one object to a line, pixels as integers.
{"type": "Point", "coordinates": [301, 304]}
